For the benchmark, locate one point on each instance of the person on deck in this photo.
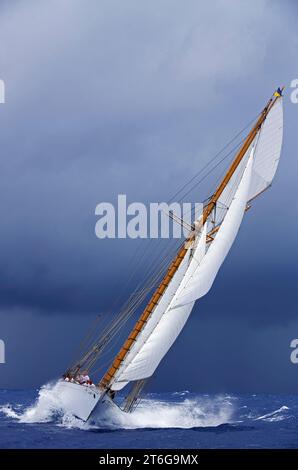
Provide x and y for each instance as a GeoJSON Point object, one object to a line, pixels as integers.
{"type": "Point", "coordinates": [84, 378]}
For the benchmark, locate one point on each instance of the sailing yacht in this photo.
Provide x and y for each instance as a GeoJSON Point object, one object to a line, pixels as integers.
{"type": "Point", "coordinates": [188, 277]}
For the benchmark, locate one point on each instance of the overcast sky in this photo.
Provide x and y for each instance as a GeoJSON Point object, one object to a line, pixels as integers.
{"type": "Point", "coordinates": [134, 97]}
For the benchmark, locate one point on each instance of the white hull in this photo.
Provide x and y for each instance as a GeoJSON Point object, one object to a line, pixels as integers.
{"type": "Point", "coordinates": [81, 400]}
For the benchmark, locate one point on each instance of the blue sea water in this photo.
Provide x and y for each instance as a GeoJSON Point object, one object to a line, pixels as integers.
{"type": "Point", "coordinates": [32, 419]}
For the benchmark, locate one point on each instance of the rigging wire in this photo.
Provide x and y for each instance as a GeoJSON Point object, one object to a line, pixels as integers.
{"type": "Point", "coordinates": [137, 298]}
{"type": "Point", "coordinates": [184, 186]}
{"type": "Point", "coordinates": [112, 329]}
{"type": "Point", "coordinates": [212, 160]}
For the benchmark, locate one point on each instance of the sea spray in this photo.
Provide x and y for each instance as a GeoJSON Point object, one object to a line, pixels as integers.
{"type": "Point", "coordinates": [188, 419]}
{"type": "Point", "coordinates": [186, 413]}
{"type": "Point", "coordinates": [46, 408]}
{"type": "Point", "coordinates": [180, 410]}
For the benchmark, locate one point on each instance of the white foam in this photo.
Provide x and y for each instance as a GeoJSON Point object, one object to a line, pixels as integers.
{"type": "Point", "coordinates": [183, 412]}
{"type": "Point", "coordinates": [46, 407]}
{"type": "Point", "coordinates": [9, 411]}
{"type": "Point", "coordinates": [276, 415]}
{"type": "Point", "coordinates": [188, 413]}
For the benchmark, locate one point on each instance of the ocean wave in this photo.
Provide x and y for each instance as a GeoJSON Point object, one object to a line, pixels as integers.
{"type": "Point", "coordinates": [8, 411]}
{"type": "Point", "coordinates": [277, 415]}
{"type": "Point", "coordinates": [181, 394]}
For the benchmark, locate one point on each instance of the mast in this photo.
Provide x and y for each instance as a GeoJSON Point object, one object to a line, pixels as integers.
{"type": "Point", "coordinates": [141, 322]}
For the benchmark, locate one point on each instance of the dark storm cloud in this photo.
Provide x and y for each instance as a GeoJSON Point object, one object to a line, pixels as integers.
{"type": "Point", "coordinates": [133, 97]}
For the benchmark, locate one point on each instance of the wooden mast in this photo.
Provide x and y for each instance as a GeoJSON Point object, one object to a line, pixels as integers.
{"type": "Point", "coordinates": [106, 380]}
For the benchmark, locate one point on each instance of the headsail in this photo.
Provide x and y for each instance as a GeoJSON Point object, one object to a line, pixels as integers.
{"type": "Point", "coordinates": [201, 281]}
{"type": "Point", "coordinates": [153, 319]}
{"type": "Point", "coordinates": [163, 326]}
{"type": "Point", "coordinates": [227, 196]}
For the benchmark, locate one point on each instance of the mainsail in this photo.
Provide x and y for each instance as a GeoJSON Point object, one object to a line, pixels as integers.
{"type": "Point", "coordinates": [193, 271]}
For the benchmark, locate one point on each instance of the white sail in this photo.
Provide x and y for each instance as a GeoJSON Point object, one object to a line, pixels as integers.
{"type": "Point", "coordinates": [156, 346]}
{"type": "Point", "coordinates": [266, 158]}
{"type": "Point", "coordinates": [226, 198]}
{"type": "Point", "coordinates": [267, 151]}
{"type": "Point", "coordinates": [196, 275]}
{"type": "Point", "coordinates": [162, 328]}
{"type": "Point", "coordinates": [202, 279]}
{"type": "Point", "coordinates": [151, 322]}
